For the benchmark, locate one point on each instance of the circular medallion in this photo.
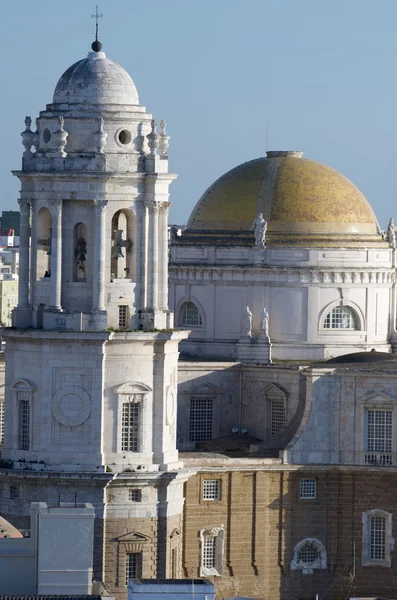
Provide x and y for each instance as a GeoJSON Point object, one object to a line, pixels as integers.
{"type": "Point", "coordinates": [71, 406]}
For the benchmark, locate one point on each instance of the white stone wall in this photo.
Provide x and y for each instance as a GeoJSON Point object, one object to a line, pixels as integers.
{"type": "Point", "coordinates": [298, 288]}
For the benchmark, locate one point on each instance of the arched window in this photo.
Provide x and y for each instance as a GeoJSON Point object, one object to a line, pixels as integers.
{"type": "Point", "coordinates": [308, 555]}
{"type": "Point", "coordinates": [80, 252]}
{"type": "Point", "coordinates": [190, 315]}
{"type": "Point", "coordinates": [44, 233]}
{"type": "Point", "coordinates": [341, 317]}
{"type": "Point", "coordinates": [122, 255]}
{"type": "Point", "coordinates": [23, 391]}
{"type": "Point", "coordinates": [377, 538]}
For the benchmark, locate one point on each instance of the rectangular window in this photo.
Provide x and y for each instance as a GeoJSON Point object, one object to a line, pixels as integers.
{"type": "Point", "coordinates": [123, 316]}
{"type": "Point", "coordinates": [211, 489]}
{"type": "Point", "coordinates": [135, 495]}
{"type": "Point", "coordinates": [14, 492]}
{"type": "Point", "coordinates": [130, 427]}
{"type": "Point", "coordinates": [307, 489]}
{"type": "Point", "coordinates": [209, 552]}
{"type": "Point", "coordinates": [1, 422]}
{"type": "Point", "coordinates": [378, 538]}
{"type": "Point", "coordinates": [173, 564]}
{"type": "Point", "coordinates": [133, 566]}
{"type": "Point", "coordinates": [277, 416]}
{"type": "Point", "coordinates": [379, 437]}
{"type": "Point", "coordinates": [201, 419]}
{"type": "Point", "coordinates": [24, 421]}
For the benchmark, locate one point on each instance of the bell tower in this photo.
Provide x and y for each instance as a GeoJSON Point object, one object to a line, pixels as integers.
{"type": "Point", "coordinates": [91, 360]}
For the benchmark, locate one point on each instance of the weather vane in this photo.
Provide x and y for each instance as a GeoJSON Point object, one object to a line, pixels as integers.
{"type": "Point", "coordinates": [97, 16]}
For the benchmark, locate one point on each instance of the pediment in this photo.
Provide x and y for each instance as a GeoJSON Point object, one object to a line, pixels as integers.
{"type": "Point", "coordinates": [379, 398]}
{"type": "Point", "coordinates": [133, 536]}
{"type": "Point", "coordinates": [23, 385]}
{"type": "Point", "coordinates": [275, 390]}
{"type": "Point", "coordinates": [132, 387]}
{"type": "Point", "coordinates": [205, 389]}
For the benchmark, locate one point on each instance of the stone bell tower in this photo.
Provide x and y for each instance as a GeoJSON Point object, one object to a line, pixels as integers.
{"type": "Point", "coordinates": [91, 360]}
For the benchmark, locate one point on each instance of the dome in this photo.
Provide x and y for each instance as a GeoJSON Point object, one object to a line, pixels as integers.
{"type": "Point", "coordinates": [303, 202]}
{"type": "Point", "coordinates": [96, 80]}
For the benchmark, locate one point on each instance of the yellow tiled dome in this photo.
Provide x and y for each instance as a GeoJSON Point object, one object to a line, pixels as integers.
{"type": "Point", "coordinates": [302, 200]}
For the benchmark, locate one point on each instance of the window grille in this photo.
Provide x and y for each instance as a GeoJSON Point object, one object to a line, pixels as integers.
{"type": "Point", "coordinates": [130, 427]}
{"type": "Point", "coordinates": [191, 315]}
{"type": "Point", "coordinates": [341, 317]}
{"type": "Point", "coordinates": [201, 419]}
{"type": "Point", "coordinates": [277, 416]}
{"type": "Point", "coordinates": [307, 489]}
{"type": "Point", "coordinates": [135, 495]}
{"type": "Point", "coordinates": [14, 492]}
{"type": "Point", "coordinates": [209, 552]}
{"type": "Point", "coordinates": [211, 489]}
{"type": "Point", "coordinates": [378, 538]}
{"type": "Point", "coordinates": [379, 430]}
{"type": "Point", "coordinates": [1, 422]}
{"type": "Point", "coordinates": [123, 316]}
{"type": "Point", "coordinates": [133, 566]}
{"type": "Point", "coordinates": [24, 420]}
{"type": "Point", "coordinates": [308, 554]}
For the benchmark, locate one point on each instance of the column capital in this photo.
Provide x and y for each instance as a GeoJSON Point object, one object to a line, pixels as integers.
{"type": "Point", "coordinates": [24, 205]}
{"type": "Point", "coordinates": [163, 207]}
{"type": "Point", "coordinates": [56, 204]}
{"type": "Point", "coordinates": [152, 206]}
{"type": "Point", "coordinates": [100, 204]}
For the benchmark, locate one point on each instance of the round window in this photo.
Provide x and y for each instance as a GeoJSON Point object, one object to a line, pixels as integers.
{"type": "Point", "coordinates": [46, 136]}
{"type": "Point", "coordinates": [125, 137]}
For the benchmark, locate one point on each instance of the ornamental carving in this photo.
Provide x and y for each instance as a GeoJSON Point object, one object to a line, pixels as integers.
{"type": "Point", "coordinates": [71, 406]}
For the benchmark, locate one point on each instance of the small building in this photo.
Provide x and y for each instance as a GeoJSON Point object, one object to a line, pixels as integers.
{"type": "Point", "coordinates": [57, 556]}
{"type": "Point", "coordinates": [173, 589]}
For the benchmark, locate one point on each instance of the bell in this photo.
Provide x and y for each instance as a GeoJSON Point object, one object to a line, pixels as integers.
{"type": "Point", "coordinates": [116, 252]}
{"type": "Point", "coordinates": [82, 258]}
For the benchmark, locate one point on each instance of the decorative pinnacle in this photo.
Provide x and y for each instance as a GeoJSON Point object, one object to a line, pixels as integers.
{"type": "Point", "coordinates": [96, 46]}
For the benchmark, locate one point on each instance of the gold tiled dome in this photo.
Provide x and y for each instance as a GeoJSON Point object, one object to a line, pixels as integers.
{"type": "Point", "coordinates": [304, 202]}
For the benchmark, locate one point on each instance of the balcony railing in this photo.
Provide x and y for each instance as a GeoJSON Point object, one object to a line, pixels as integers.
{"type": "Point", "coordinates": [379, 459]}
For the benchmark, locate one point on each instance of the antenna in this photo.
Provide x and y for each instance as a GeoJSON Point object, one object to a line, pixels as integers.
{"type": "Point", "coordinates": [267, 137]}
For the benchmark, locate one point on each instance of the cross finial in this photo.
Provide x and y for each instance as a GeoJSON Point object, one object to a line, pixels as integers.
{"type": "Point", "coordinates": [97, 16]}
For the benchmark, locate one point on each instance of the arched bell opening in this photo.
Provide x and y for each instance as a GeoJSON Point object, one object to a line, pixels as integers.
{"type": "Point", "coordinates": [122, 263]}
{"type": "Point", "coordinates": [44, 232]}
{"type": "Point", "coordinates": [80, 244]}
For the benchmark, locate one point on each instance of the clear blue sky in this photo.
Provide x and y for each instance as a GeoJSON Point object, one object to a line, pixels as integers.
{"type": "Point", "coordinates": [322, 73]}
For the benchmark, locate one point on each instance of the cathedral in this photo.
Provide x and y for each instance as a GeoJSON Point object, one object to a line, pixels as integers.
{"type": "Point", "coordinates": [224, 394]}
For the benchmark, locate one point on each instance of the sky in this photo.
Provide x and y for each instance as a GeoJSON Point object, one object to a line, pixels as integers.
{"type": "Point", "coordinates": [320, 74]}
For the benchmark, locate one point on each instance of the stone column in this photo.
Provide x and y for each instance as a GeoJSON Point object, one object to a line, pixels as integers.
{"type": "Point", "coordinates": [153, 256]}
{"type": "Point", "coordinates": [99, 259]}
{"type": "Point", "coordinates": [33, 253]}
{"type": "Point", "coordinates": [23, 286]}
{"type": "Point", "coordinates": [56, 253]}
{"type": "Point", "coordinates": [163, 262]}
{"type": "Point", "coordinates": [144, 256]}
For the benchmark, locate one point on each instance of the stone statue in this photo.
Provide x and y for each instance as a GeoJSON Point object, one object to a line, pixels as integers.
{"type": "Point", "coordinates": [247, 322]}
{"type": "Point", "coordinates": [260, 227]}
{"type": "Point", "coordinates": [265, 322]}
{"type": "Point", "coordinates": [391, 233]}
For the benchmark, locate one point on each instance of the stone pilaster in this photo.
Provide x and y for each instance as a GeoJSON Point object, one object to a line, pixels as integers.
{"type": "Point", "coordinates": [163, 257]}
{"type": "Point", "coordinates": [153, 256]}
{"type": "Point", "coordinates": [56, 252]}
{"type": "Point", "coordinates": [99, 262]}
{"type": "Point", "coordinates": [23, 289]}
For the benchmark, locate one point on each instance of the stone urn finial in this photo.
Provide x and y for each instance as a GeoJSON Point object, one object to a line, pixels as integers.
{"type": "Point", "coordinates": [60, 138]}
{"type": "Point", "coordinates": [27, 138]}
{"type": "Point", "coordinates": [100, 137]}
{"type": "Point", "coordinates": [153, 139]}
{"type": "Point", "coordinates": [164, 140]}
